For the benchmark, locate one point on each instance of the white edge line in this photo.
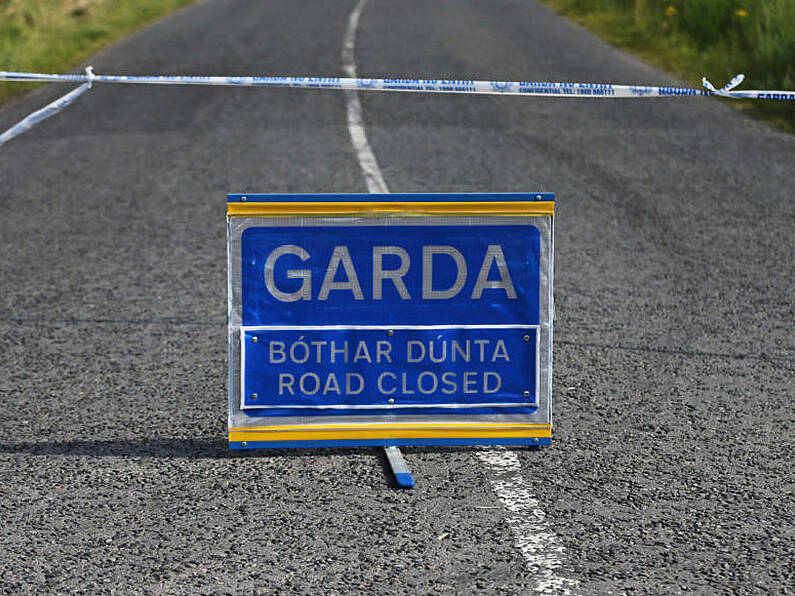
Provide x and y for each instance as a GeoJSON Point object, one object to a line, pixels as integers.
{"type": "Point", "coordinates": [533, 535]}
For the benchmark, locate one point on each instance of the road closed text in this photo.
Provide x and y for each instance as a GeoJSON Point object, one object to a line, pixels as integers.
{"type": "Point", "coordinates": [450, 365]}
{"type": "Point", "coordinates": [388, 382]}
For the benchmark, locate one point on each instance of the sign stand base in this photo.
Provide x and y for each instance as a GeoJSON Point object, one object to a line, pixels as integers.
{"type": "Point", "coordinates": [399, 468]}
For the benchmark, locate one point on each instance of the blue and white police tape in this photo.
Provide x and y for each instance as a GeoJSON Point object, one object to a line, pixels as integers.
{"type": "Point", "coordinates": [537, 89]}
{"type": "Point", "coordinates": [49, 110]}
{"type": "Point", "coordinates": [531, 89]}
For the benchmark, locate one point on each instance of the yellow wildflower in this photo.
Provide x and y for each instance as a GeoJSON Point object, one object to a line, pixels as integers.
{"type": "Point", "coordinates": [670, 11]}
{"type": "Point", "coordinates": [741, 12]}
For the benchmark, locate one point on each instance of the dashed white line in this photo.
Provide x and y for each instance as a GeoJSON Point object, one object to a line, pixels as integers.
{"type": "Point", "coordinates": [534, 538]}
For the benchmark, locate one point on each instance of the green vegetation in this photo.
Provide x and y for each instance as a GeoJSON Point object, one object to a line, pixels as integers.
{"type": "Point", "coordinates": [54, 35]}
{"type": "Point", "coordinates": [712, 38]}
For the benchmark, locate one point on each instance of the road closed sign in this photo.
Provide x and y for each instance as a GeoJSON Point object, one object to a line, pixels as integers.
{"type": "Point", "coordinates": [421, 319]}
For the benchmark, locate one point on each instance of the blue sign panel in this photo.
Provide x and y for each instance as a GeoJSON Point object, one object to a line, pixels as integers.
{"type": "Point", "coordinates": [309, 371]}
{"type": "Point", "coordinates": [388, 319]}
{"type": "Point", "coordinates": [387, 275]}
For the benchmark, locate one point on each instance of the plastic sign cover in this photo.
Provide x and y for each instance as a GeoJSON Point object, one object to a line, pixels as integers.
{"type": "Point", "coordinates": [418, 319]}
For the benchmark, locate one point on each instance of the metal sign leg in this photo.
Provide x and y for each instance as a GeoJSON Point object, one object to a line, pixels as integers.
{"type": "Point", "coordinates": [399, 468]}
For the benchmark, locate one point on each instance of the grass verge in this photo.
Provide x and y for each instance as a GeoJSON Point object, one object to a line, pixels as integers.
{"type": "Point", "coordinates": [712, 38]}
{"type": "Point", "coordinates": [54, 35]}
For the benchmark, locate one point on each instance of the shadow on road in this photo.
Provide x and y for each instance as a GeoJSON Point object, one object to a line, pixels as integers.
{"type": "Point", "coordinates": [159, 448]}
{"type": "Point", "coordinates": [195, 448]}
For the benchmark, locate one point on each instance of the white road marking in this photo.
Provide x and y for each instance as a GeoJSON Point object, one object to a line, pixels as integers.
{"type": "Point", "coordinates": [367, 161]}
{"type": "Point", "coordinates": [534, 537]}
{"type": "Point", "coordinates": [539, 546]}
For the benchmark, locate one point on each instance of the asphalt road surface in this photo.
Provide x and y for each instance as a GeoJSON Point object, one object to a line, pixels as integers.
{"type": "Point", "coordinates": [671, 464]}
